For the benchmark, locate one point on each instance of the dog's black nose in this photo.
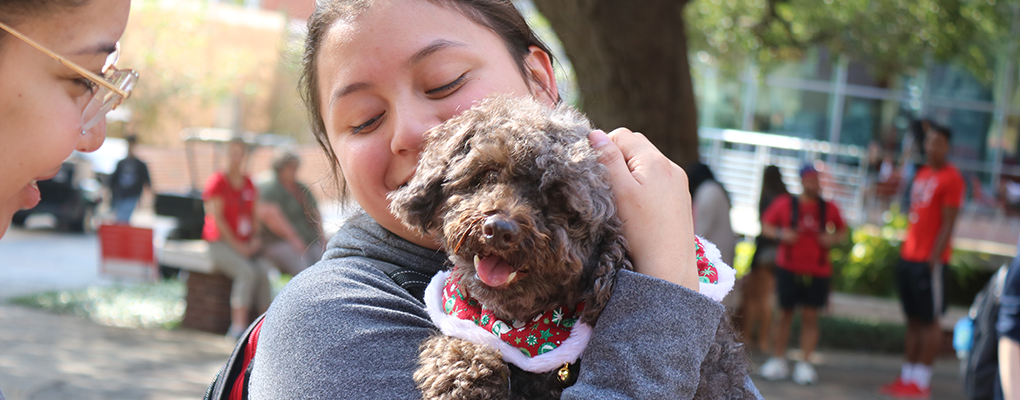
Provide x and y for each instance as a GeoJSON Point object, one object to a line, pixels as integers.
{"type": "Point", "coordinates": [500, 232]}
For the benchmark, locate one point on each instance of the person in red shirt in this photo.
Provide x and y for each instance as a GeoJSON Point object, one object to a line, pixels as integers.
{"type": "Point", "coordinates": [935, 199]}
{"type": "Point", "coordinates": [806, 227]}
{"type": "Point", "coordinates": [232, 233]}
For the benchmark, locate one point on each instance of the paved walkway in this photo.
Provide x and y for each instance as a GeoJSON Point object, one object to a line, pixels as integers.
{"type": "Point", "coordinates": [857, 376]}
{"type": "Point", "coordinates": [45, 356]}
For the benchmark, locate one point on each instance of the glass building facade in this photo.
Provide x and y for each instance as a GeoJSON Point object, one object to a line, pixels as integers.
{"type": "Point", "coordinates": [831, 98]}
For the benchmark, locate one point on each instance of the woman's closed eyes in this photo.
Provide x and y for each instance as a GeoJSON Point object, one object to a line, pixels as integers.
{"type": "Point", "coordinates": [447, 88]}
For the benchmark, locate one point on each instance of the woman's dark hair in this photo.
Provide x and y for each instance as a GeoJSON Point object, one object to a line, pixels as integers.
{"type": "Point", "coordinates": [498, 15]}
{"type": "Point", "coordinates": [772, 186]}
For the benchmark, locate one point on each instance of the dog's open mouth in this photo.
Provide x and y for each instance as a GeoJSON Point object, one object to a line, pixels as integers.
{"type": "Point", "coordinates": [494, 271]}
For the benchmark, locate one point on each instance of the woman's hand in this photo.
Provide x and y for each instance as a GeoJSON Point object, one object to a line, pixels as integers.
{"type": "Point", "coordinates": [654, 203]}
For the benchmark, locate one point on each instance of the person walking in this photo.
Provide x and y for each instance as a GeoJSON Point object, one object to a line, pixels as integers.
{"type": "Point", "coordinates": [806, 226]}
{"type": "Point", "coordinates": [935, 199]}
{"type": "Point", "coordinates": [127, 182]}
{"type": "Point", "coordinates": [292, 234]}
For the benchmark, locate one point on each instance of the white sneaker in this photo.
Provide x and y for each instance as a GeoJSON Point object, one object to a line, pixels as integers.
{"type": "Point", "coordinates": [804, 373]}
{"type": "Point", "coordinates": [774, 369]}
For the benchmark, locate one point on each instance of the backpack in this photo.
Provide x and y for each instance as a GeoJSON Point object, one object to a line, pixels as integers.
{"type": "Point", "coordinates": [980, 357]}
{"type": "Point", "coordinates": [979, 360]}
{"type": "Point", "coordinates": [231, 382]}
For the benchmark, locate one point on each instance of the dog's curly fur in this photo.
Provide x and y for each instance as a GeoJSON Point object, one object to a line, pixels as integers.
{"type": "Point", "coordinates": [530, 168]}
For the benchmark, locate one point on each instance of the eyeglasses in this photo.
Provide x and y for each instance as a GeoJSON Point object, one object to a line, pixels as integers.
{"type": "Point", "coordinates": [109, 90]}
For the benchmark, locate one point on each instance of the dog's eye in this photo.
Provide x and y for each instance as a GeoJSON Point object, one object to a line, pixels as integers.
{"type": "Point", "coordinates": [491, 176]}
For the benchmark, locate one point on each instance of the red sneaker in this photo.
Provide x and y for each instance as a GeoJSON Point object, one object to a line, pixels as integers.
{"type": "Point", "coordinates": [896, 386]}
{"type": "Point", "coordinates": [910, 391]}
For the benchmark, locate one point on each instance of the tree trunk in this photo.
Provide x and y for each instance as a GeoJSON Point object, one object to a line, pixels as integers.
{"type": "Point", "coordinates": [631, 64]}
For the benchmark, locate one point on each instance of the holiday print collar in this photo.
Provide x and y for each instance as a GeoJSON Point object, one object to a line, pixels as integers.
{"type": "Point", "coordinates": [716, 279]}
{"type": "Point", "coordinates": [540, 335]}
{"type": "Point", "coordinates": [554, 343]}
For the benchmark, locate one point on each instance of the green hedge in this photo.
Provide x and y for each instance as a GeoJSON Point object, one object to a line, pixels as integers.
{"type": "Point", "coordinates": [847, 334]}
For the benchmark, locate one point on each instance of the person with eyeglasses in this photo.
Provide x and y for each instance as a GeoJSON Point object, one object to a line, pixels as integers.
{"type": "Point", "coordinates": [58, 81]}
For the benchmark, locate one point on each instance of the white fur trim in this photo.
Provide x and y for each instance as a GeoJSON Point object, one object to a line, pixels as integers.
{"type": "Point", "coordinates": [568, 352]}
{"type": "Point", "coordinates": [727, 275]}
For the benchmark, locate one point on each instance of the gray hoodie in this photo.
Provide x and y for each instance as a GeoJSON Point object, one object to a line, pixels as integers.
{"type": "Point", "coordinates": [343, 329]}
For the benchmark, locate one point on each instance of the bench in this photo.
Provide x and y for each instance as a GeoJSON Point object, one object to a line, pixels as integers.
{"type": "Point", "coordinates": [208, 291]}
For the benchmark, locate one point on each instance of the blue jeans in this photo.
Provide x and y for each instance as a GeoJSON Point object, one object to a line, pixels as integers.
{"type": "Point", "coordinates": [124, 208]}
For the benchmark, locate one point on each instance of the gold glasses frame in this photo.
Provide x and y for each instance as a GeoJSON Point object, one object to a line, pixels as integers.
{"type": "Point", "coordinates": [127, 79]}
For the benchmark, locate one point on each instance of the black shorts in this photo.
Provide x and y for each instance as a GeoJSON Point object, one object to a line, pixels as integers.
{"type": "Point", "coordinates": [806, 290]}
{"type": "Point", "coordinates": [922, 290]}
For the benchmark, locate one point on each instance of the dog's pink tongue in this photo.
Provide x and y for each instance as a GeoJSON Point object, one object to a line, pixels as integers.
{"type": "Point", "coordinates": [494, 271]}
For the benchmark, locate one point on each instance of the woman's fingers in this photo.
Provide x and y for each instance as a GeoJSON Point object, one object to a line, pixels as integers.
{"type": "Point", "coordinates": [612, 157]}
{"type": "Point", "coordinates": [654, 204]}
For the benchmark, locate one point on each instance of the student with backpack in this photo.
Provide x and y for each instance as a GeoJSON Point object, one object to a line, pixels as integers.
{"type": "Point", "coordinates": [806, 226]}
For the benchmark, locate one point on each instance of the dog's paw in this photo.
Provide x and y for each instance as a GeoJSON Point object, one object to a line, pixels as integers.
{"type": "Point", "coordinates": [452, 368]}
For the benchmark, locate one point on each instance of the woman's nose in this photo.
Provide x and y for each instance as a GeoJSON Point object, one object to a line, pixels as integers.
{"type": "Point", "coordinates": [92, 138]}
{"type": "Point", "coordinates": [409, 129]}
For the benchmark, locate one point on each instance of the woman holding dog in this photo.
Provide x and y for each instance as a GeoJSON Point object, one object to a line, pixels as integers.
{"type": "Point", "coordinates": [57, 83]}
{"type": "Point", "coordinates": [378, 74]}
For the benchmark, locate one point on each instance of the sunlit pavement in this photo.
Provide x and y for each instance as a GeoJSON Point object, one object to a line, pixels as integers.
{"type": "Point", "coordinates": [844, 375]}
{"type": "Point", "coordinates": [45, 356]}
{"type": "Point", "coordinates": [41, 259]}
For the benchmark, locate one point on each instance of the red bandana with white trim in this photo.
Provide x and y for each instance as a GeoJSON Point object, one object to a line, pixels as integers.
{"type": "Point", "coordinates": [548, 330]}
{"type": "Point", "coordinates": [706, 271]}
{"type": "Point", "coordinates": [541, 335]}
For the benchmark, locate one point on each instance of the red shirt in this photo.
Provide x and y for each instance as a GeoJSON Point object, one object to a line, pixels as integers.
{"type": "Point", "coordinates": [806, 256]}
{"type": "Point", "coordinates": [237, 207]}
{"type": "Point", "coordinates": [933, 190]}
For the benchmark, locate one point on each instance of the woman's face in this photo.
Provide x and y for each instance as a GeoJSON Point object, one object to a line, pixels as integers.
{"type": "Point", "coordinates": [41, 101]}
{"type": "Point", "coordinates": [236, 152]}
{"type": "Point", "coordinates": [388, 75]}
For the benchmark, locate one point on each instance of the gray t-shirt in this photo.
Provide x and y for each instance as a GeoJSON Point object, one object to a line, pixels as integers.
{"type": "Point", "coordinates": [343, 329]}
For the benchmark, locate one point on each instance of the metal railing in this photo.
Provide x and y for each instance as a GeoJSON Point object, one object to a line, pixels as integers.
{"type": "Point", "coordinates": [738, 159]}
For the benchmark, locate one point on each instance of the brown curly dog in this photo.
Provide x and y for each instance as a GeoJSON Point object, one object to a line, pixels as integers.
{"type": "Point", "coordinates": [522, 206]}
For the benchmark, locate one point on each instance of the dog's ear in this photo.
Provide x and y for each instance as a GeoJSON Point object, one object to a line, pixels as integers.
{"type": "Point", "coordinates": [611, 257]}
{"type": "Point", "coordinates": [420, 203]}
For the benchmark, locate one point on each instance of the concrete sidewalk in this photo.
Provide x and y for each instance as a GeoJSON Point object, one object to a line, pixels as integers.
{"type": "Point", "coordinates": [857, 376]}
{"type": "Point", "coordinates": [46, 356]}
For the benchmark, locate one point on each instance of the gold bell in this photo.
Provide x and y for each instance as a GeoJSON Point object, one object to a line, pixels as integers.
{"type": "Point", "coordinates": [564, 373]}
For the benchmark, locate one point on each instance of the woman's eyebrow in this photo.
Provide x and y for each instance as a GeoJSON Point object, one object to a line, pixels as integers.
{"type": "Point", "coordinates": [436, 45]}
{"type": "Point", "coordinates": [354, 87]}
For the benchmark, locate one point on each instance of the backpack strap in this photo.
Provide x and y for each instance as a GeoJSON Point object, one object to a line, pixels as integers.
{"type": "Point", "coordinates": [231, 381]}
{"type": "Point", "coordinates": [794, 211]}
{"type": "Point", "coordinates": [412, 281]}
{"type": "Point", "coordinates": [795, 216]}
